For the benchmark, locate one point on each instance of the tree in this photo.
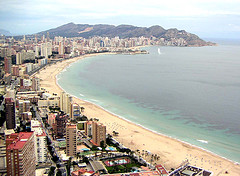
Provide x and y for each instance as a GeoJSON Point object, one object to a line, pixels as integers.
{"type": "Point", "coordinates": [85, 159]}
{"type": "Point", "coordinates": [69, 163]}
{"type": "Point", "coordinates": [55, 159]}
{"type": "Point", "coordinates": [102, 145]}
{"type": "Point", "coordinates": [51, 171]}
{"type": "Point", "coordinates": [59, 173]}
{"type": "Point", "coordinates": [82, 109]}
{"type": "Point", "coordinates": [94, 148]}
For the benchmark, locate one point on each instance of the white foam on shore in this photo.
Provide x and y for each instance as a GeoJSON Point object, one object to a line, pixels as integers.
{"type": "Point", "coordinates": [94, 100]}
{"type": "Point", "coordinates": [82, 95]}
{"type": "Point", "coordinates": [123, 118]}
{"type": "Point", "coordinates": [202, 141]}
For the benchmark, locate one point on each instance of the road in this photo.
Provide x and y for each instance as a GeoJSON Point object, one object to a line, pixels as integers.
{"type": "Point", "coordinates": [60, 162]}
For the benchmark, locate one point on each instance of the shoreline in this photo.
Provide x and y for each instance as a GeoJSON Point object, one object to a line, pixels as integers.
{"type": "Point", "coordinates": [135, 128]}
{"type": "Point", "coordinates": [148, 129]}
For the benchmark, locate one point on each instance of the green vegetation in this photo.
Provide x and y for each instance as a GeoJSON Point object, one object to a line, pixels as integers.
{"type": "Point", "coordinates": [51, 171]}
{"type": "Point", "coordinates": [80, 126]}
{"type": "Point", "coordinates": [102, 145]}
{"type": "Point", "coordinates": [68, 166]}
{"type": "Point", "coordinates": [121, 168]}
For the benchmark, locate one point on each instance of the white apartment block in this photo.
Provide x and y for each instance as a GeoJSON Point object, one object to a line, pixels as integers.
{"type": "Point", "coordinates": [40, 141]}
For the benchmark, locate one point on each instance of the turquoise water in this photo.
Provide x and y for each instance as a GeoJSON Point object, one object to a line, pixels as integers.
{"type": "Point", "coordinates": [191, 94]}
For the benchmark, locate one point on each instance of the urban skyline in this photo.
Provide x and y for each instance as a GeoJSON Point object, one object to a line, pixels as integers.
{"type": "Point", "coordinates": [216, 19]}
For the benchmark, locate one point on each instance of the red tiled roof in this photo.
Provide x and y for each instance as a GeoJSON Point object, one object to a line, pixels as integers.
{"type": "Point", "coordinates": [134, 174]}
{"type": "Point", "coordinates": [71, 126]}
{"type": "Point", "coordinates": [18, 140]}
{"type": "Point", "coordinates": [161, 169]}
{"type": "Point", "coordinates": [93, 142]}
{"type": "Point", "coordinates": [149, 173]}
{"type": "Point", "coordinates": [80, 172]}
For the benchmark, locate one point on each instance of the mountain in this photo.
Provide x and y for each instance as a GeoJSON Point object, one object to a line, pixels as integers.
{"type": "Point", "coordinates": [124, 31]}
{"type": "Point", "coordinates": [4, 32]}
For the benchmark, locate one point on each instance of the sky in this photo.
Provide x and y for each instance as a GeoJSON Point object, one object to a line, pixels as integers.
{"type": "Point", "coordinates": [206, 18]}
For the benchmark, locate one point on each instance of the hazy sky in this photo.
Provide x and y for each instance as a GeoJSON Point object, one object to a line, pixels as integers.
{"type": "Point", "coordinates": [206, 18]}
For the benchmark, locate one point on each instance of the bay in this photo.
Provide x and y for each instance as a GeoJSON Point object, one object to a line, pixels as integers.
{"type": "Point", "coordinates": [188, 93]}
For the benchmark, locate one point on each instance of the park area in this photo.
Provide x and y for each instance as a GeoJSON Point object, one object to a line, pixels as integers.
{"type": "Point", "coordinates": [120, 165]}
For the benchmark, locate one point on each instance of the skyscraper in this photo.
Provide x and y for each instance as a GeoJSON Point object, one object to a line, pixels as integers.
{"type": "Point", "coordinates": [60, 49]}
{"type": "Point", "coordinates": [7, 64]}
{"type": "Point", "coordinates": [46, 49]}
{"type": "Point", "coordinates": [65, 102]}
{"type": "Point", "coordinates": [10, 113]}
{"type": "Point", "coordinates": [98, 133]}
{"type": "Point", "coordinates": [19, 58]}
{"type": "Point", "coordinates": [20, 154]}
{"type": "Point", "coordinates": [75, 111]}
{"type": "Point", "coordinates": [15, 70]}
{"type": "Point", "coordinates": [41, 143]}
{"type": "Point", "coordinates": [71, 145]}
{"type": "Point", "coordinates": [60, 120]}
{"type": "Point", "coordinates": [35, 84]}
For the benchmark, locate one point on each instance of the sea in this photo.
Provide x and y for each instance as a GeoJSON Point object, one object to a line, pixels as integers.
{"type": "Point", "coordinates": [188, 93]}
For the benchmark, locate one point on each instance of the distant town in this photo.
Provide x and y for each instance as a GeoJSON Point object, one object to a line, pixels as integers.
{"type": "Point", "coordinates": [47, 134]}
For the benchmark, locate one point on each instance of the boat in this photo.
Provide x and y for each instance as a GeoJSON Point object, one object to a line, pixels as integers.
{"type": "Point", "coordinates": [159, 51]}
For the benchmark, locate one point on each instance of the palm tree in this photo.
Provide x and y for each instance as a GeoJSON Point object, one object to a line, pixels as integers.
{"type": "Point", "coordinates": [82, 109]}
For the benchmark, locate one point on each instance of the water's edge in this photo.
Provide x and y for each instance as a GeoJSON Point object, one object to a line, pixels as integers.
{"type": "Point", "coordinates": [123, 118]}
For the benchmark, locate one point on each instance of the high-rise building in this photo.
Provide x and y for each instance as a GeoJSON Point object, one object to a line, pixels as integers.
{"type": "Point", "coordinates": [40, 141]}
{"type": "Point", "coordinates": [5, 52]}
{"type": "Point", "coordinates": [98, 133]}
{"type": "Point", "coordinates": [88, 128]}
{"type": "Point", "coordinates": [15, 70]}
{"type": "Point", "coordinates": [71, 137]}
{"type": "Point", "coordinates": [10, 113]}
{"type": "Point", "coordinates": [3, 165]}
{"type": "Point", "coordinates": [8, 64]}
{"type": "Point", "coordinates": [75, 111]}
{"type": "Point", "coordinates": [48, 38]}
{"type": "Point", "coordinates": [19, 58]}
{"type": "Point", "coordinates": [65, 102]}
{"type": "Point", "coordinates": [20, 154]}
{"type": "Point", "coordinates": [36, 51]}
{"type": "Point", "coordinates": [51, 119]}
{"type": "Point", "coordinates": [10, 93]}
{"type": "Point", "coordinates": [35, 84]}
{"type": "Point", "coordinates": [23, 108]}
{"type": "Point", "coordinates": [60, 130]}
{"type": "Point", "coordinates": [60, 49]}
{"type": "Point", "coordinates": [46, 49]}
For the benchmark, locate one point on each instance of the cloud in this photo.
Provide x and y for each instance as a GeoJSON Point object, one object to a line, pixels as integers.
{"type": "Point", "coordinates": [39, 15]}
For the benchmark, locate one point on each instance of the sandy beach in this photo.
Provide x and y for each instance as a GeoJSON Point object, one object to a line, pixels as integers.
{"type": "Point", "coordinates": [171, 152]}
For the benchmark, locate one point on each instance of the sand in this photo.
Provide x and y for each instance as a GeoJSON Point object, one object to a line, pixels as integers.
{"type": "Point", "coordinates": [171, 152]}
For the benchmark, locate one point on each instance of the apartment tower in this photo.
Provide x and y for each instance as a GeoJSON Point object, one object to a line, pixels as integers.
{"type": "Point", "coordinates": [71, 135]}
{"type": "Point", "coordinates": [20, 154]}
{"type": "Point", "coordinates": [10, 113]}
{"type": "Point", "coordinates": [98, 133]}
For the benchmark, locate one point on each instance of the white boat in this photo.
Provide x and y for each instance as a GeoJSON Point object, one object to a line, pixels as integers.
{"type": "Point", "coordinates": [159, 51]}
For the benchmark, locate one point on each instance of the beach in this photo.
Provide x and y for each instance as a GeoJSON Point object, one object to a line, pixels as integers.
{"type": "Point", "coordinates": [171, 151]}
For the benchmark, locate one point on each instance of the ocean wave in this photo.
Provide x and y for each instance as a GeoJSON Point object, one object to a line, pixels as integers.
{"type": "Point", "coordinates": [202, 141]}
{"type": "Point", "coordinates": [94, 100]}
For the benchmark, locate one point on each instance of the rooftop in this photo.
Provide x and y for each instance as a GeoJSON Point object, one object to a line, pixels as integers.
{"type": "Point", "coordinates": [72, 126]}
{"type": "Point", "coordinates": [148, 173]}
{"type": "Point", "coordinates": [161, 169]}
{"type": "Point", "coordinates": [18, 140]}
